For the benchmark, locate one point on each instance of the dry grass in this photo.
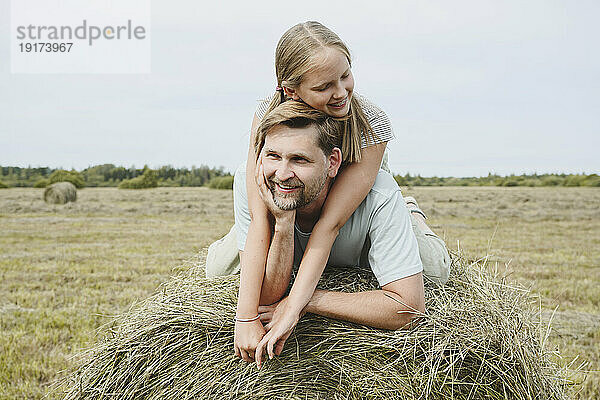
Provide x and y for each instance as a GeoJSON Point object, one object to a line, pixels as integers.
{"type": "Point", "coordinates": [479, 339]}
{"type": "Point", "coordinates": [549, 237]}
{"type": "Point", "coordinates": [545, 238]}
{"type": "Point", "coordinates": [64, 270]}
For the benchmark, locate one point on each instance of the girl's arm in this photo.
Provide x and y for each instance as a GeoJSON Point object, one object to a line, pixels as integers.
{"type": "Point", "coordinates": [257, 241]}
{"type": "Point", "coordinates": [350, 188]}
{"type": "Point", "coordinates": [252, 261]}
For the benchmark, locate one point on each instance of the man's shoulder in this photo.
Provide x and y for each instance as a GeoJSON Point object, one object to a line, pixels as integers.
{"type": "Point", "coordinates": [385, 192]}
{"type": "Point", "coordinates": [385, 186]}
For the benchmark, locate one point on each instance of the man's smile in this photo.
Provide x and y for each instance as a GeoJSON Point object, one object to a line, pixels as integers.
{"type": "Point", "coordinates": [285, 188]}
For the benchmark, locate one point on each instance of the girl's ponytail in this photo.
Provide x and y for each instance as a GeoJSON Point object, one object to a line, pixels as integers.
{"type": "Point", "coordinates": [276, 99]}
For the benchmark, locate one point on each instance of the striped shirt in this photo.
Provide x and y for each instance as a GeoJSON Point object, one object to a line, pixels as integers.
{"type": "Point", "coordinates": [378, 119]}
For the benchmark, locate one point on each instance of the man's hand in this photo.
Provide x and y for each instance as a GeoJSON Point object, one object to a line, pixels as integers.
{"type": "Point", "coordinates": [265, 314]}
{"type": "Point", "coordinates": [247, 336]}
{"type": "Point", "coordinates": [281, 322]}
{"type": "Point", "coordinates": [267, 196]}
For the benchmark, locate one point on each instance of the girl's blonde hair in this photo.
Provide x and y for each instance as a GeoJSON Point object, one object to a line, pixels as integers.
{"type": "Point", "coordinates": [294, 57]}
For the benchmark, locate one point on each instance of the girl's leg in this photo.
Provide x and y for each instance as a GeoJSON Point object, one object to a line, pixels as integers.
{"type": "Point", "coordinates": [223, 256]}
{"type": "Point", "coordinates": [432, 249]}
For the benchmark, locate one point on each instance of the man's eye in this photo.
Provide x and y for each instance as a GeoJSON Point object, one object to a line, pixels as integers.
{"type": "Point", "coordinates": [347, 74]}
{"type": "Point", "coordinates": [300, 159]}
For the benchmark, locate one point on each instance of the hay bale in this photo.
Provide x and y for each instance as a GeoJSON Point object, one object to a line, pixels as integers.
{"type": "Point", "coordinates": [479, 339]}
{"type": "Point", "coordinates": [60, 193]}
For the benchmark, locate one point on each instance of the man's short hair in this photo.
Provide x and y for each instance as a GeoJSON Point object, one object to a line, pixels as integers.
{"type": "Point", "coordinates": [295, 114]}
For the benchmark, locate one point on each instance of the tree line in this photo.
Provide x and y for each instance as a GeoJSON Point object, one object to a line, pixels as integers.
{"type": "Point", "coordinates": [108, 175]}
{"type": "Point", "coordinates": [531, 180]}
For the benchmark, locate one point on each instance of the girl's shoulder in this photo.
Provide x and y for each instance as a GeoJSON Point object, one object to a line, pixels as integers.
{"type": "Point", "coordinates": [378, 119]}
{"type": "Point", "coordinates": [371, 110]}
{"type": "Point", "coordinates": [263, 106]}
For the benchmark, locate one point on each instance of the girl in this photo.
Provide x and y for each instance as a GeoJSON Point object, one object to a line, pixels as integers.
{"type": "Point", "coordinates": [312, 65]}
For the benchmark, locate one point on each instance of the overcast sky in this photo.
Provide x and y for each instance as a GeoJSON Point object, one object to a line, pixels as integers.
{"type": "Point", "coordinates": [471, 87]}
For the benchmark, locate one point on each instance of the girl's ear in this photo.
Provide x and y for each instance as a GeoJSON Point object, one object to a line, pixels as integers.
{"type": "Point", "coordinates": [291, 93]}
{"type": "Point", "coordinates": [335, 162]}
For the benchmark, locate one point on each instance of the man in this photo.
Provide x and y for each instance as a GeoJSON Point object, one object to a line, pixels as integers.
{"type": "Point", "coordinates": [299, 157]}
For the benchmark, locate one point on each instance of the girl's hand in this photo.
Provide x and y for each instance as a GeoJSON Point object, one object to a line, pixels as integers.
{"type": "Point", "coordinates": [246, 337]}
{"type": "Point", "coordinates": [281, 322]}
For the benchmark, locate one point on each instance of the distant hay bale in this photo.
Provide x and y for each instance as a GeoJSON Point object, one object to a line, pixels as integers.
{"type": "Point", "coordinates": [3, 185]}
{"type": "Point", "coordinates": [60, 193]}
{"type": "Point", "coordinates": [479, 339]}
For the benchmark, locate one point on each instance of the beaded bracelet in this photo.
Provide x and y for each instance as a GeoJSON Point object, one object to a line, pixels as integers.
{"type": "Point", "coordinates": [236, 319]}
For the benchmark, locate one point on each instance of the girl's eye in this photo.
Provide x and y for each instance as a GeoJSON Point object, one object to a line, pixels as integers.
{"type": "Point", "coordinates": [272, 155]}
{"type": "Point", "coordinates": [347, 74]}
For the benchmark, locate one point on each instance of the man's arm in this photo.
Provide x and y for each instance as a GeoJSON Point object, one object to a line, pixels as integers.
{"type": "Point", "coordinates": [393, 307]}
{"type": "Point", "coordinates": [394, 259]}
{"type": "Point", "coordinates": [279, 260]}
{"type": "Point", "coordinates": [350, 188]}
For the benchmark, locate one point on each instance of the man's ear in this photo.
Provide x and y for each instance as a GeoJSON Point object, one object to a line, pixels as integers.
{"type": "Point", "coordinates": [335, 162]}
{"type": "Point", "coordinates": [289, 92]}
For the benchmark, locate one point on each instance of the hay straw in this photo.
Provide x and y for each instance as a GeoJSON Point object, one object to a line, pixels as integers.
{"type": "Point", "coordinates": [60, 193]}
{"type": "Point", "coordinates": [479, 339]}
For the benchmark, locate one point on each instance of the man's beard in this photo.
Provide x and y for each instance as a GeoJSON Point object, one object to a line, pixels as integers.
{"type": "Point", "coordinates": [302, 196]}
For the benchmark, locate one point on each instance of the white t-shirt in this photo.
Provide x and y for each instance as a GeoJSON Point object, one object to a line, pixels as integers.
{"type": "Point", "coordinates": [380, 228]}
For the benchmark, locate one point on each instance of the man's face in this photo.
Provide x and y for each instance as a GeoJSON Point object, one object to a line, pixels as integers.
{"type": "Point", "coordinates": [295, 167]}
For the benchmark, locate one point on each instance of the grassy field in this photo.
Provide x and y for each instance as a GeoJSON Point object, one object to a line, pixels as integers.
{"type": "Point", "coordinates": [65, 270]}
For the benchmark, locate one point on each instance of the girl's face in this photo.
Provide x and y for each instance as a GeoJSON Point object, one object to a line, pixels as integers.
{"type": "Point", "coordinates": [327, 87]}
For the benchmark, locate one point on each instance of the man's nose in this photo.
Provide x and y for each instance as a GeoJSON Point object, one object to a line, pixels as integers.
{"type": "Point", "coordinates": [284, 172]}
